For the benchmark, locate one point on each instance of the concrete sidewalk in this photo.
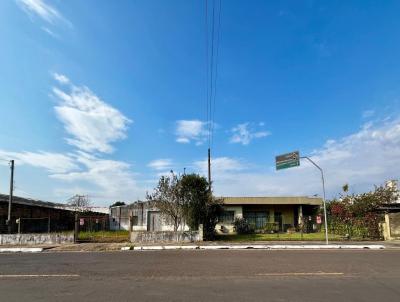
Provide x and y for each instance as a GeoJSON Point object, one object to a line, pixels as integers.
{"type": "Point", "coordinates": [21, 250]}
{"type": "Point", "coordinates": [257, 247]}
{"type": "Point", "coordinates": [207, 245]}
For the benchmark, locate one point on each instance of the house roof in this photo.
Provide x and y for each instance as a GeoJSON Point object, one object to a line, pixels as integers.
{"type": "Point", "coordinates": [46, 204]}
{"type": "Point", "coordinates": [296, 200]}
{"type": "Point", "coordinates": [389, 208]}
{"type": "Point", "coordinates": [32, 202]}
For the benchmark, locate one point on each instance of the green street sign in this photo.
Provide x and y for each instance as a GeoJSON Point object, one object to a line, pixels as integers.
{"type": "Point", "coordinates": [287, 160]}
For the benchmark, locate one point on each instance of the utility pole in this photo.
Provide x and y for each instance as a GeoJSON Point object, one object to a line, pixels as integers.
{"type": "Point", "coordinates": [209, 168]}
{"type": "Point", "coordinates": [10, 197]}
{"type": "Point", "coordinates": [323, 190]}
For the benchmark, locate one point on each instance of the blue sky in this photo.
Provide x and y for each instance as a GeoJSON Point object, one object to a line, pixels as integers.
{"type": "Point", "coordinates": [102, 97]}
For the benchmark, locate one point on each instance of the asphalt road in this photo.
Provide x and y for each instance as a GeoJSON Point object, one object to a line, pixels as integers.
{"type": "Point", "coordinates": [219, 275]}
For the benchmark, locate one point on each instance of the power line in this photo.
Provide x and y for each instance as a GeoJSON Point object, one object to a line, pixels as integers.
{"type": "Point", "coordinates": [216, 72]}
{"type": "Point", "coordinates": [213, 33]}
{"type": "Point", "coordinates": [211, 73]}
{"type": "Point", "coordinates": [7, 160]}
{"type": "Point", "coordinates": [212, 56]}
{"type": "Point", "coordinates": [207, 63]}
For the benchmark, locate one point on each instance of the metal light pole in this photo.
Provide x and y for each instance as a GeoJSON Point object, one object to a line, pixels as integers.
{"type": "Point", "coordinates": [323, 189]}
{"type": "Point", "coordinates": [10, 197]}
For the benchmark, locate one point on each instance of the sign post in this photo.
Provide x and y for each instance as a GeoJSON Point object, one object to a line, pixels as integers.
{"type": "Point", "coordinates": [292, 159]}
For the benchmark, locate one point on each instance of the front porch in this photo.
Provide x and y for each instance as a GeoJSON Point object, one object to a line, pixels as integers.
{"type": "Point", "coordinates": [266, 218]}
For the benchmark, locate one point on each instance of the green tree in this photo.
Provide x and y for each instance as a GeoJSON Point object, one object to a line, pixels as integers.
{"type": "Point", "coordinates": [168, 199]}
{"type": "Point", "coordinates": [195, 193]}
{"type": "Point", "coordinates": [118, 204]}
{"type": "Point", "coordinates": [199, 205]}
{"type": "Point", "coordinates": [345, 188]}
{"type": "Point", "coordinates": [358, 214]}
{"type": "Point", "coordinates": [187, 199]}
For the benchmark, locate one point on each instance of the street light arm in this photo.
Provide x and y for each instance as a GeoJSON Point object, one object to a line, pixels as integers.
{"type": "Point", "coordinates": [320, 169]}
{"type": "Point", "coordinates": [311, 161]}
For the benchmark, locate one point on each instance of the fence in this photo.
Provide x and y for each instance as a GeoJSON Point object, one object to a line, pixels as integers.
{"type": "Point", "coordinates": [30, 225]}
{"type": "Point", "coordinates": [97, 229]}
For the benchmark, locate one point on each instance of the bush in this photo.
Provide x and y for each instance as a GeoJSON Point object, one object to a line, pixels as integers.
{"type": "Point", "coordinates": [358, 215]}
{"type": "Point", "coordinates": [242, 226]}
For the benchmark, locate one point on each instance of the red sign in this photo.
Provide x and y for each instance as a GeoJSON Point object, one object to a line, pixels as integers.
{"type": "Point", "coordinates": [81, 221]}
{"type": "Point", "coordinates": [319, 220]}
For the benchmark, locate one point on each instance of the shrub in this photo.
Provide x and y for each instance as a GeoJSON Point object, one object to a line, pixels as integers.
{"type": "Point", "coordinates": [270, 228]}
{"type": "Point", "coordinates": [242, 226]}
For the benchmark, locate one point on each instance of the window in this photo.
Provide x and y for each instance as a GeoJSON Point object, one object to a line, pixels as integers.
{"type": "Point", "coordinates": [135, 220]}
{"type": "Point", "coordinates": [226, 217]}
{"type": "Point", "coordinates": [257, 219]}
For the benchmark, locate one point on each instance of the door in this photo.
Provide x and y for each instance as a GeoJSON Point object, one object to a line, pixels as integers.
{"type": "Point", "coordinates": [153, 221]}
{"type": "Point", "coordinates": [278, 220]}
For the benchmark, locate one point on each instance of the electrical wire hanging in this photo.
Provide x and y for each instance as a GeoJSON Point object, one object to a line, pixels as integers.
{"type": "Point", "coordinates": [213, 27]}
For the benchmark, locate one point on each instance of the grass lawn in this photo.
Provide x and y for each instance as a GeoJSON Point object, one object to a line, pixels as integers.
{"type": "Point", "coordinates": [279, 237]}
{"type": "Point", "coordinates": [104, 236]}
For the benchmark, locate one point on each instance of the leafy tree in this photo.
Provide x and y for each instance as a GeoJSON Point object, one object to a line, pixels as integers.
{"type": "Point", "coordinates": [358, 214]}
{"type": "Point", "coordinates": [196, 195]}
{"type": "Point", "coordinates": [118, 204]}
{"type": "Point", "coordinates": [200, 207]}
{"type": "Point", "coordinates": [187, 199]}
{"type": "Point", "coordinates": [167, 198]}
{"type": "Point", "coordinates": [345, 188]}
{"type": "Point", "coordinates": [214, 210]}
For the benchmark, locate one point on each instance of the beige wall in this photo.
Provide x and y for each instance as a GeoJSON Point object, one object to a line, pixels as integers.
{"type": "Point", "coordinates": [287, 213]}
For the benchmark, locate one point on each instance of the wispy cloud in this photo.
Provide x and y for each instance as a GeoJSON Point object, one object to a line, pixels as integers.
{"type": "Point", "coordinates": [43, 10]}
{"type": "Point", "coordinates": [52, 162]}
{"type": "Point", "coordinates": [220, 165]}
{"type": "Point", "coordinates": [62, 79]}
{"type": "Point", "coordinates": [112, 179]}
{"type": "Point", "coordinates": [50, 32]}
{"type": "Point", "coordinates": [362, 159]}
{"type": "Point", "coordinates": [368, 113]}
{"type": "Point", "coordinates": [160, 164]}
{"type": "Point", "coordinates": [245, 133]}
{"type": "Point", "coordinates": [92, 123]}
{"type": "Point", "coordinates": [191, 131]}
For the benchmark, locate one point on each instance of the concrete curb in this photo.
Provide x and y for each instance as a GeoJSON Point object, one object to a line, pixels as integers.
{"type": "Point", "coordinates": [256, 246]}
{"type": "Point", "coordinates": [21, 250]}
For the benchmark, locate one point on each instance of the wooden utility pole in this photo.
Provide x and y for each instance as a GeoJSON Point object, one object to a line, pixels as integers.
{"type": "Point", "coordinates": [76, 228]}
{"type": "Point", "coordinates": [209, 168]}
{"type": "Point", "coordinates": [10, 197]}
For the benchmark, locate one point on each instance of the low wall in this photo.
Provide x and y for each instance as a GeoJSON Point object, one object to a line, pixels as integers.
{"type": "Point", "coordinates": [31, 239]}
{"type": "Point", "coordinates": [166, 236]}
{"type": "Point", "coordinates": [394, 224]}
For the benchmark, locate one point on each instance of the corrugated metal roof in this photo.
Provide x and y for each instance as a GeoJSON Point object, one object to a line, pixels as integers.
{"type": "Point", "coordinates": [31, 202]}
{"type": "Point", "coordinates": [46, 204]}
{"type": "Point", "coordinates": [272, 200]}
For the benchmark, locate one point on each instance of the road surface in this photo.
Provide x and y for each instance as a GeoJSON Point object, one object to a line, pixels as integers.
{"type": "Point", "coordinates": [220, 275]}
